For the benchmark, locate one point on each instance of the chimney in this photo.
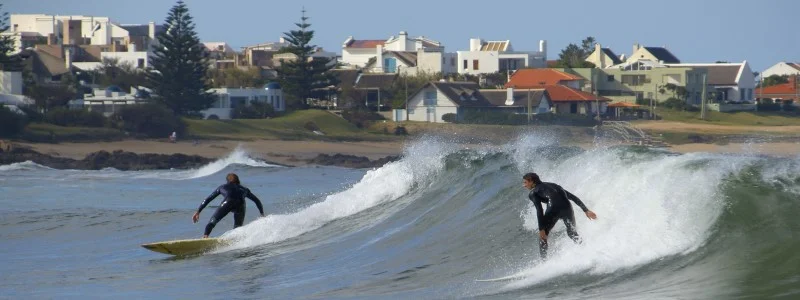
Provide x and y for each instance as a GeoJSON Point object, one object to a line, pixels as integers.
{"type": "Point", "coordinates": [151, 30]}
{"type": "Point", "coordinates": [635, 48]}
{"type": "Point", "coordinates": [509, 96]}
{"type": "Point", "coordinates": [403, 40]}
{"type": "Point", "coordinates": [543, 48]}
{"type": "Point", "coordinates": [600, 57]}
{"type": "Point", "coordinates": [475, 44]}
{"type": "Point", "coordinates": [283, 39]}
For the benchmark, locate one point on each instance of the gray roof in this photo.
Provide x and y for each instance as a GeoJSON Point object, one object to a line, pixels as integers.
{"type": "Point", "coordinates": [49, 63]}
{"type": "Point", "coordinates": [137, 30]}
{"type": "Point", "coordinates": [662, 54]}
{"type": "Point", "coordinates": [375, 81]}
{"type": "Point", "coordinates": [498, 97]}
{"type": "Point", "coordinates": [408, 57]}
{"type": "Point", "coordinates": [346, 77]}
{"type": "Point", "coordinates": [722, 74]}
{"type": "Point", "coordinates": [462, 93]}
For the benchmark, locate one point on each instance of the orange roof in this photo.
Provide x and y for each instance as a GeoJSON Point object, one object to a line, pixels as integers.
{"type": "Point", "coordinates": [528, 78]}
{"type": "Point", "coordinates": [560, 93]}
{"type": "Point", "coordinates": [789, 88]}
{"type": "Point", "coordinates": [623, 104]}
{"type": "Point", "coordinates": [365, 43]}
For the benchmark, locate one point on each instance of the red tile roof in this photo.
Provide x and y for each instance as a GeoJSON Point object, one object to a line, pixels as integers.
{"type": "Point", "coordinates": [777, 90]}
{"type": "Point", "coordinates": [365, 43]}
{"type": "Point", "coordinates": [560, 93]}
{"type": "Point", "coordinates": [529, 78]}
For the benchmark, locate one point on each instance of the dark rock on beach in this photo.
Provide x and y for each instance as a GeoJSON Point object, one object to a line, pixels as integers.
{"type": "Point", "coordinates": [118, 159]}
{"type": "Point", "coordinates": [350, 161]}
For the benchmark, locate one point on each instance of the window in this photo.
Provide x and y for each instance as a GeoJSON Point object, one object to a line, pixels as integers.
{"type": "Point", "coordinates": [610, 78]}
{"type": "Point", "coordinates": [465, 64]}
{"type": "Point", "coordinates": [749, 94]}
{"type": "Point", "coordinates": [474, 64]}
{"type": "Point", "coordinates": [389, 65]}
{"type": "Point", "coordinates": [140, 63]}
{"type": "Point", "coordinates": [453, 61]}
{"type": "Point", "coordinates": [742, 94]}
{"type": "Point", "coordinates": [410, 111]}
{"type": "Point", "coordinates": [634, 80]}
{"type": "Point", "coordinates": [430, 98]}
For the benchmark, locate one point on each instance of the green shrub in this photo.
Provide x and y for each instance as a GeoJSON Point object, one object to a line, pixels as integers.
{"type": "Point", "coordinates": [67, 117]}
{"type": "Point", "coordinates": [674, 103]}
{"type": "Point", "coordinates": [450, 118]}
{"type": "Point", "coordinates": [11, 123]}
{"type": "Point", "coordinates": [149, 120]}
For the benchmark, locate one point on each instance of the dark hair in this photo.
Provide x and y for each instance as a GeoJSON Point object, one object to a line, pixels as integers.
{"type": "Point", "coordinates": [233, 178]}
{"type": "Point", "coordinates": [532, 177]}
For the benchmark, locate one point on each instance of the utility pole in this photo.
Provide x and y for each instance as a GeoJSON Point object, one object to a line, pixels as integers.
{"type": "Point", "coordinates": [529, 106]}
{"type": "Point", "coordinates": [703, 100]}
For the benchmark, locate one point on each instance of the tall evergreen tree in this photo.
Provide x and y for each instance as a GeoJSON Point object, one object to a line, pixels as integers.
{"type": "Point", "coordinates": [180, 65]}
{"type": "Point", "coordinates": [303, 77]}
{"type": "Point", "coordinates": [7, 61]}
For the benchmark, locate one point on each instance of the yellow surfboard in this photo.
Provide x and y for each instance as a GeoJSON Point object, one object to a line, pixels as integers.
{"type": "Point", "coordinates": [185, 247]}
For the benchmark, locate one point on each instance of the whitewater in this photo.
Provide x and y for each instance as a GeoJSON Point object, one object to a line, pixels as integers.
{"type": "Point", "coordinates": [670, 226]}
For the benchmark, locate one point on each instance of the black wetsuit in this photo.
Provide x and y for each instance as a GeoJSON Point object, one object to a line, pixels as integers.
{"type": "Point", "coordinates": [558, 207]}
{"type": "Point", "coordinates": [234, 202]}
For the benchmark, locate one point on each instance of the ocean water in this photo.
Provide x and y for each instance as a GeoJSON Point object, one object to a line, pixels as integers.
{"type": "Point", "coordinates": [691, 226]}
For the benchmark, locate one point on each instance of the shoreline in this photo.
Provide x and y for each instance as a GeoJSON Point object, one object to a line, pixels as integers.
{"type": "Point", "coordinates": [346, 154]}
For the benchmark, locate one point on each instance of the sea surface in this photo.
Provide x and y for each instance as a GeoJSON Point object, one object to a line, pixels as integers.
{"type": "Point", "coordinates": [670, 226]}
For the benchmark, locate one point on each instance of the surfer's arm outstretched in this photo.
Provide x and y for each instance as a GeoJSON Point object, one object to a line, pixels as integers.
{"type": "Point", "coordinates": [253, 197]}
{"type": "Point", "coordinates": [589, 213]}
{"type": "Point", "coordinates": [203, 204]}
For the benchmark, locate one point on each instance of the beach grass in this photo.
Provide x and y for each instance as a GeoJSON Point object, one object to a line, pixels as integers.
{"type": "Point", "coordinates": [293, 126]}
{"type": "Point", "coordinates": [733, 118]}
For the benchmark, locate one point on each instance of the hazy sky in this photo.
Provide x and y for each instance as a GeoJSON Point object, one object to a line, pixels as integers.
{"type": "Point", "coordinates": [761, 32]}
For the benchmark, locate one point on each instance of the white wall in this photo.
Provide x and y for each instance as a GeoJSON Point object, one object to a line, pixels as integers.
{"type": "Point", "coordinates": [488, 62]}
{"type": "Point", "coordinates": [128, 57]}
{"type": "Point", "coordinates": [357, 56]}
{"type": "Point", "coordinates": [11, 83]}
{"type": "Point", "coordinates": [429, 62]}
{"type": "Point", "coordinates": [222, 105]}
{"type": "Point", "coordinates": [780, 68]}
{"type": "Point", "coordinates": [45, 25]}
{"type": "Point", "coordinates": [417, 111]}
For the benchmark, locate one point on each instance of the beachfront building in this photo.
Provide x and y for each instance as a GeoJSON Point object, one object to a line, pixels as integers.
{"type": "Point", "coordinates": [29, 30]}
{"type": "Point", "coordinates": [655, 54]}
{"type": "Point", "coordinates": [569, 93]}
{"type": "Point", "coordinates": [230, 98]}
{"type": "Point", "coordinates": [781, 92]}
{"type": "Point", "coordinates": [727, 82]}
{"type": "Point", "coordinates": [110, 100]}
{"type": "Point", "coordinates": [643, 80]}
{"type": "Point", "coordinates": [11, 91]}
{"type": "Point", "coordinates": [398, 54]}
{"type": "Point", "coordinates": [438, 98]}
{"type": "Point", "coordinates": [485, 57]}
{"type": "Point", "coordinates": [782, 68]}
{"type": "Point", "coordinates": [261, 55]}
{"type": "Point", "coordinates": [221, 55]}
{"type": "Point", "coordinates": [604, 57]}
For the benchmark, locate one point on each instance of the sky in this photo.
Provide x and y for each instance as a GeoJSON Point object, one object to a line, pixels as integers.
{"type": "Point", "coordinates": [762, 32]}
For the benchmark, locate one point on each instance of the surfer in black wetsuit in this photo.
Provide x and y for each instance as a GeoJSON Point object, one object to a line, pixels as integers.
{"type": "Point", "coordinates": [234, 194]}
{"type": "Point", "coordinates": [558, 208]}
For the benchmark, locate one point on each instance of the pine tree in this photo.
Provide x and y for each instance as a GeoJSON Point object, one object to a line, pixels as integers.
{"type": "Point", "coordinates": [7, 61]}
{"type": "Point", "coordinates": [303, 78]}
{"type": "Point", "coordinates": [180, 65]}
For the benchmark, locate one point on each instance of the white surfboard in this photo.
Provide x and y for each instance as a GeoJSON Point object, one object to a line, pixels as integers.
{"type": "Point", "coordinates": [185, 247]}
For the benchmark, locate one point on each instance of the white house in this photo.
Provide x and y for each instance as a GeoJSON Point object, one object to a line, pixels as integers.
{"type": "Point", "coordinates": [439, 98]}
{"type": "Point", "coordinates": [733, 82]}
{"type": "Point", "coordinates": [498, 56]}
{"type": "Point", "coordinates": [398, 54]}
{"type": "Point", "coordinates": [31, 29]}
{"type": "Point", "coordinates": [782, 68]}
{"type": "Point", "coordinates": [230, 98]}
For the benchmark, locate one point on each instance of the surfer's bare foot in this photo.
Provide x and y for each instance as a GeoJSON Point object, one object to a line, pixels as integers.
{"type": "Point", "coordinates": [205, 236]}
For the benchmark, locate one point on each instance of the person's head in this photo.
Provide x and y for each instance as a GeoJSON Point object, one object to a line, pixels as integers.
{"type": "Point", "coordinates": [530, 180]}
{"type": "Point", "coordinates": [233, 178]}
